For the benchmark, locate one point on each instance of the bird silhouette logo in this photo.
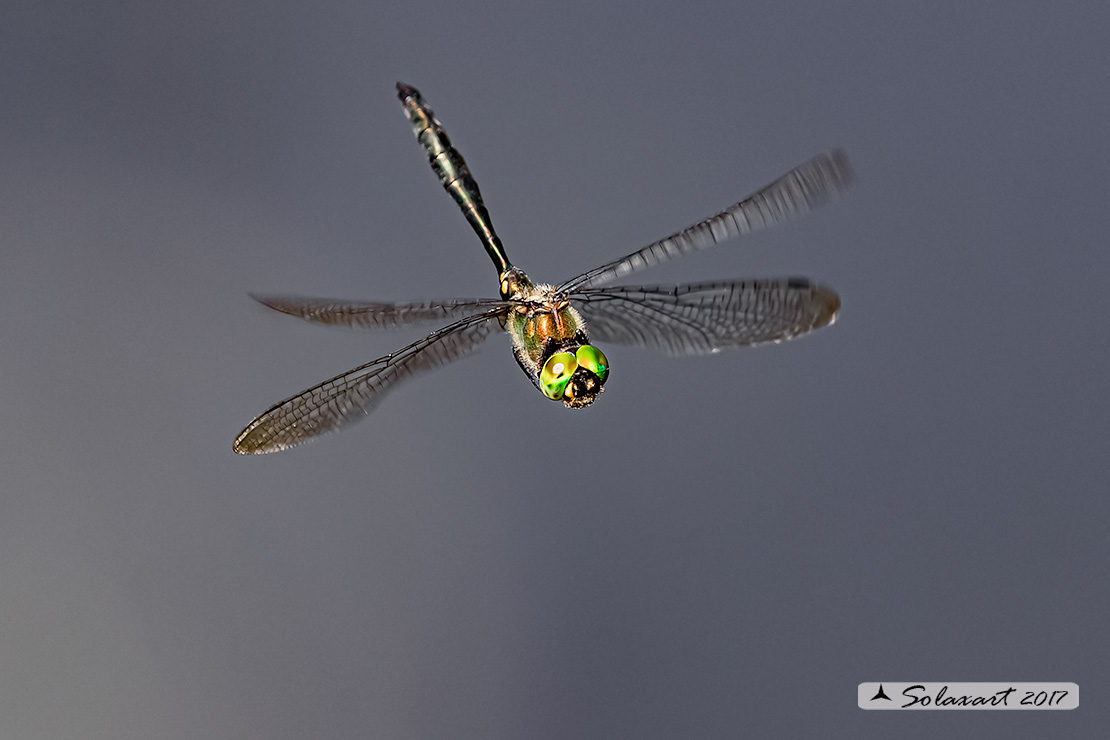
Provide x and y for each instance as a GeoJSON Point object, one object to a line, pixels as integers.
{"type": "Point", "coordinates": [881, 695]}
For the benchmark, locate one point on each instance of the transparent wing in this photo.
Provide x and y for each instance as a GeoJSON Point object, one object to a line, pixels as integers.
{"type": "Point", "coordinates": [369, 315]}
{"type": "Point", "coordinates": [706, 317]}
{"type": "Point", "coordinates": [348, 397]}
{"type": "Point", "coordinates": [794, 194]}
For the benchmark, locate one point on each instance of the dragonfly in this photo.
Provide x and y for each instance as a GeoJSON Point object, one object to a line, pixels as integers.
{"type": "Point", "coordinates": [552, 327]}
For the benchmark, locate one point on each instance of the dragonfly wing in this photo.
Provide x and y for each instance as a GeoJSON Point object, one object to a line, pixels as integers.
{"type": "Point", "coordinates": [706, 317]}
{"type": "Point", "coordinates": [348, 397]}
{"type": "Point", "coordinates": [369, 315]}
{"type": "Point", "coordinates": [804, 188]}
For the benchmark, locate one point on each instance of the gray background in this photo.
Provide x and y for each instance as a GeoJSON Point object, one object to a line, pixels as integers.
{"type": "Point", "coordinates": [721, 547]}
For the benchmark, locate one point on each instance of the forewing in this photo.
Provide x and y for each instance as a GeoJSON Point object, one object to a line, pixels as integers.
{"type": "Point", "coordinates": [348, 397]}
{"type": "Point", "coordinates": [370, 315]}
{"type": "Point", "coordinates": [794, 194]}
{"type": "Point", "coordinates": [707, 317]}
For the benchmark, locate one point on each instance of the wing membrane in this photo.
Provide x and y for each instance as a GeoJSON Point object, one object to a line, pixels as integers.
{"type": "Point", "coordinates": [706, 317]}
{"type": "Point", "coordinates": [348, 397]}
{"type": "Point", "coordinates": [804, 188]}
{"type": "Point", "coordinates": [370, 315]}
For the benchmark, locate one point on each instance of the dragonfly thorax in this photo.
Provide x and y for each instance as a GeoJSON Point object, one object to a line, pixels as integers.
{"type": "Point", "coordinates": [542, 319]}
{"type": "Point", "coordinates": [553, 348]}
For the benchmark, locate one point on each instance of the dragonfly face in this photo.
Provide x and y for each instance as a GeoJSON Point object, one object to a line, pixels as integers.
{"type": "Point", "coordinates": [575, 378]}
{"type": "Point", "coordinates": [551, 326]}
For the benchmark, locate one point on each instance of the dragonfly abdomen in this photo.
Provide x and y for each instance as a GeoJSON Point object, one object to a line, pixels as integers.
{"type": "Point", "coordinates": [452, 171]}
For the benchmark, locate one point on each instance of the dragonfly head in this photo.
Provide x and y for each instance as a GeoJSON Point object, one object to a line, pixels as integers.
{"type": "Point", "coordinates": [574, 375]}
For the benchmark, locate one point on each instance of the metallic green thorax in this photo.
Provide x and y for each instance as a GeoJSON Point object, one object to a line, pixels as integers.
{"type": "Point", "coordinates": [452, 171]}
{"type": "Point", "coordinates": [545, 320]}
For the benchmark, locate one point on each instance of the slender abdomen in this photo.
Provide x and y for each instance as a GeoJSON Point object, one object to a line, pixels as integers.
{"type": "Point", "coordinates": [452, 171]}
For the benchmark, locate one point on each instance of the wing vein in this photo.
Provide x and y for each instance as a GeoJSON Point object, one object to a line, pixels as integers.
{"type": "Point", "coordinates": [799, 191]}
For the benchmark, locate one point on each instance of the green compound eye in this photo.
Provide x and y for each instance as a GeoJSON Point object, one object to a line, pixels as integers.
{"type": "Point", "coordinates": [556, 374]}
{"type": "Point", "coordinates": [594, 360]}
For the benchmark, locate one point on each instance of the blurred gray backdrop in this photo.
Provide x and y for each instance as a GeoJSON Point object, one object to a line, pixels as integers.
{"type": "Point", "coordinates": [721, 547]}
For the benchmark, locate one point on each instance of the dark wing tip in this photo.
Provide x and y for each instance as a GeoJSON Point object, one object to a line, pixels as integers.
{"type": "Point", "coordinates": [824, 301]}
{"type": "Point", "coordinates": [829, 306]}
{"type": "Point", "coordinates": [406, 91]}
{"type": "Point", "coordinates": [842, 171]}
{"type": "Point", "coordinates": [280, 304]}
{"type": "Point", "coordinates": [249, 442]}
{"type": "Point", "coordinates": [242, 444]}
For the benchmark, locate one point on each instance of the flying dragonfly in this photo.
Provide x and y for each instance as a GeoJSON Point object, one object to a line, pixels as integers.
{"type": "Point", "coordinates": [552, 327]}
